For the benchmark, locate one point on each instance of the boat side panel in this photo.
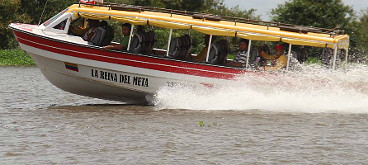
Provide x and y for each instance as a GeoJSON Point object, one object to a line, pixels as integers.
{"type": "Point", "coordinates": [71, 81]}
{"type": "Point", "coordinates": [128, 59]}
{"type": "Point", "coordinates": [101, 82]}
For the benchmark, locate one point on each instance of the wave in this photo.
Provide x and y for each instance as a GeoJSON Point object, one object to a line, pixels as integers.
{"type": "Point", "coordinates": [311, 90]}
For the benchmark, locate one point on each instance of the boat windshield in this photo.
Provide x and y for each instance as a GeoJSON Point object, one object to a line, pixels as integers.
{"type": "Point", "coordinates": [52, 19]}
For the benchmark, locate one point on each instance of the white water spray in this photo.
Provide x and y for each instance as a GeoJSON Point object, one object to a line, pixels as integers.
{"type": "Point", "coordinates": [312, 90]}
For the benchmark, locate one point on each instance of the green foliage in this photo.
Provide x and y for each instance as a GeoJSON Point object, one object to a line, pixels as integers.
{"type": "Point", "coordinates": [15, 57]}
{"type": "Point", "coordinates": [29, 11]}
{"type": "Point", "coordinates": [25, 11]}
{"type": "Point", "coordinates": [216, 7]}
{"type": "Point", "coordinates": [201, 123]}
{"type": "Point", "coordinates": [326, 14]}
{"type": "Point", "coordinates": [8, 9]}
{"type": "Point", "coordinates": [316, 13]}
{"type": "Point", "coordinates": [313, 60]}
{"type": "Point", "coordinates": [189, 5]}
{"type": "Point", "coordinates": [360, 35]}
{"type": "Point", "coordinates": [34, 8]}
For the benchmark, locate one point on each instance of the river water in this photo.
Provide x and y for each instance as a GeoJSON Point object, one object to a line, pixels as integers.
{"type": "Point", "coordinates": [320, 118]}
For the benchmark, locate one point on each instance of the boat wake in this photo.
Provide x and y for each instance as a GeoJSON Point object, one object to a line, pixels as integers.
{"type": "Point", "coordinates": [311, 90]}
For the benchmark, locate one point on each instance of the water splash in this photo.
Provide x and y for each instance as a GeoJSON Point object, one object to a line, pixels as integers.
{"type": "Point", "coordinates": [311, 90]}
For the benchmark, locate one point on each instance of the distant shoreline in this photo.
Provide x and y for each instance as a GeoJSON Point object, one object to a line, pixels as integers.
{"type": "Point", "coordinates": [15, 57]}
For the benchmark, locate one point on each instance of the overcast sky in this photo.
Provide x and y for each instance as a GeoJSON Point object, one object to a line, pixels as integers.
{"type": "Point", "coordinates": [264, 6]}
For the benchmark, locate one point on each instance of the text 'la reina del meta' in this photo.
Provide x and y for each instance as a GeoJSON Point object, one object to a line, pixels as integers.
{"type": "Point", "coordinates": [120, 78]}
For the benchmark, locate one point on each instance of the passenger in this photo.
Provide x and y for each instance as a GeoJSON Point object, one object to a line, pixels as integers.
{"type": "Point", "coordinates": [92, 25]}
{"type": "Point", "coordinates": [79, 31]}
{"type": "Point", "coordinates": [201, 57]}
{"type": "Point", "coordinates": [125, 30]}
{"type": "Point", "coordinates": [87, 33]}
{"type": "Point", "coordinates": [279, 60]}
{"type": "Point", "coordinates": [240, 58]}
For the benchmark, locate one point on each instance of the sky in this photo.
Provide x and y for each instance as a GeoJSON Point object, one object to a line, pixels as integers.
{"type": "Point", "coordinates": [264, 6]}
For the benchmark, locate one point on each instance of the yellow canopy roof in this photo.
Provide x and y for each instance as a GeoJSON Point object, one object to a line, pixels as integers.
{"type": "Point", "coordinates": [219, 28]}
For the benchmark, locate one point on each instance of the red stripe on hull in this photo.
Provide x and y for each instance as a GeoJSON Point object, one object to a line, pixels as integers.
{"type": "Point", "coordinates": [123, 58]}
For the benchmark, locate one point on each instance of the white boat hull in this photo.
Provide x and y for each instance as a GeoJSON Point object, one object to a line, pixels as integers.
{"type": "Point", "coordinates": [84, 86]}
{"type": "Point", "coordinates": [89, 71]}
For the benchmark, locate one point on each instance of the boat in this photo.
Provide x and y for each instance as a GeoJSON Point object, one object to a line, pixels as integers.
{"type": "Point", "coordinates": [74, 65]}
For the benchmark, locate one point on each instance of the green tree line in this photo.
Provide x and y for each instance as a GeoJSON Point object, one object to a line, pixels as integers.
{"type": "Point", "coordinates": [316, 13]}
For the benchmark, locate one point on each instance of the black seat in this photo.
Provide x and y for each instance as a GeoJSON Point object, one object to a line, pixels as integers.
{"type": "Point", "coordinates": [180, 47]}
{"type": "Point", "coordinates": [142, 42]}
{"type": "Point", "coordinates": [218, 52]}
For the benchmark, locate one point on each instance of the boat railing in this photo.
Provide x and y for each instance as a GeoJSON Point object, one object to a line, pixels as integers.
{"type": "Point", "coordinates": [282, 26]}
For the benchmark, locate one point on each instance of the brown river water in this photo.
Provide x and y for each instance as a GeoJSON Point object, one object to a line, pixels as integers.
{"type": "Point", "coordinates": [40, 124]}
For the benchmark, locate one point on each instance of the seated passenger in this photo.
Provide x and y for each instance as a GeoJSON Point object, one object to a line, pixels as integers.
{"type": "Point", "coordinates": [79, 31]}
{"type": "Point", "coordinates": [201, 57]}
{"type": "Point", "coordinates": [125, 30]}
{"type": "Point", "coordinates": [279, 60]}
{"type": "Point", "coordinates": [93, 25]}
{"type": "Point", "coordinates": [240, 58]}
{"type": "Point", "coordinates": [89, 32]}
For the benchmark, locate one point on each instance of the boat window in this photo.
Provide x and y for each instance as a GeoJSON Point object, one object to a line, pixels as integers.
{"type": "Point", "coordinates": [55, 17]}
{"type": "Point", "coordinates": [61, 25]}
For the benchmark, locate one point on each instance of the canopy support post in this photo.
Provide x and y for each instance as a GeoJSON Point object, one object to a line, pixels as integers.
{"type": "Point", "coordinates": [289, 57]}
{"type": "Point", "coordinates": [334, 58]}
{"type": "Point", "coordinates": [130, 36]}
{"type": "Point", "coordinates": [248, 54]}
{"type": "Point", "coordinates": [209, 48]}
{"type": "Point", "coordinates": [168, 44]}
{"type": "Point", "coordinates": [346, 56]}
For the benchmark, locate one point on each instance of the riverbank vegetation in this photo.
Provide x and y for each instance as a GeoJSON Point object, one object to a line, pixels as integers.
{"type": "Point", "coordinates": [15, 57]}
{"type": "Point", "coordinates": [326, 14]}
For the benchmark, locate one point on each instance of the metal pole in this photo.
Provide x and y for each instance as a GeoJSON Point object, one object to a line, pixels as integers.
{"type": "Point", "coordinates": [209, 48]}
{"type": "Point", "coordinates": [130, 36]}
{"type": "Point", "coordinates": [346, 56]}
{"type": "Point", "coordinates": [168, 44]}
{"type": "Point", "coordinates": [248, 53]}
{"type": "Point", "coordinates": [39, 22]}
{"type": "Point", "coordinates": [334, 58]}
{"type": "Point", "coordinates": [289, 57]}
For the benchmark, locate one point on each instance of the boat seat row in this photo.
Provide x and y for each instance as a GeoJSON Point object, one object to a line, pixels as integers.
{"type": "Point", "coordinates": [142, 42]}
{"type": "Point", "coordinates": [180, 47]}
{"type": "Point", "coordinates": [218, 52]}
